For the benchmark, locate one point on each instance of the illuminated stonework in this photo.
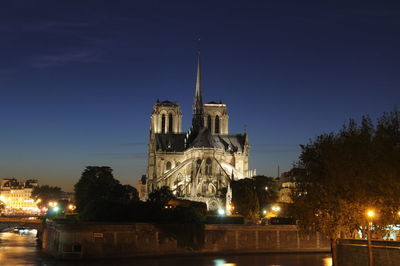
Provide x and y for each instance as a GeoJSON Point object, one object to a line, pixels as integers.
{"type": "Point", "coordinates": [198, 164]}
{"type": "Point", "coordinates": [17, 195]}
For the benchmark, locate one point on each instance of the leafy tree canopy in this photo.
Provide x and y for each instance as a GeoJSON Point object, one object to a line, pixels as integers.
{"type": "Point", "coordinates": [97, 183]}
{"type": "Point", "coordinates": [341, 175]}
{"type": "Point", "coordinates": [46, 194]}
{"type": "Point", "coordinates": [250, 195]}
{"type": "Point", "coordinates": [161, 196]}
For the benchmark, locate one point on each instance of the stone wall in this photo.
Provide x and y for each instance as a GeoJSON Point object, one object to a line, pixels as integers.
{"type": "Point", "coordinates": [354, 252]}
{"type": "Point", "coordinates": [95, 240]}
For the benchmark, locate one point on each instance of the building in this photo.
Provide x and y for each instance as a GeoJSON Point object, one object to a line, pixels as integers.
{"type": "Point", "coordinates": [287, 187]}
{"type": "Point", "coordinates": [200, 163]}
{"type": "Point", "coordinates": [16, 195]}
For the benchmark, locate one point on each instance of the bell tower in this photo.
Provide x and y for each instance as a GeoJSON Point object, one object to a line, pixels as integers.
{"type": "Point", "coordinates": [166, 118]}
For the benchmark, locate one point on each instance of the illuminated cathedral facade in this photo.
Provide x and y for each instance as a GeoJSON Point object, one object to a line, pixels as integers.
{"type": "Point", "coordinates": [198, 164]}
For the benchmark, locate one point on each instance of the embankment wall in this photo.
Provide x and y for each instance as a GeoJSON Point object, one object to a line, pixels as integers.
{"type": "Point", "coordinates": [354, 252]}
{"type": "Point", "coordinates": [102, 240]}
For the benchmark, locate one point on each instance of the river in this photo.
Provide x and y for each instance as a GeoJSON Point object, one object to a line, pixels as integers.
{"type": "Point", "coordinates": [22, 249]}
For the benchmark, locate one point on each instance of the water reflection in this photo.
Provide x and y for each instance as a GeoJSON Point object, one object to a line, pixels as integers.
{"type": "Point", "coordinates": [21, 249]}
{"type": "Point", "coordinates": [327, 261]}
{"type": "Point", "coordinates": [222, 262]}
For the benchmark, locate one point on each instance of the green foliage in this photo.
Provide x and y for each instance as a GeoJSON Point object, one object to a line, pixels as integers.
{"type": "Point", "coordinates": [250, 195]}
{"type": "Point", "coordinates": [267, 190]}
{"type": "Point", "coordinates": [161, 196]}
{"type": "Point", "coordinates": [46, 194]}
{"type": "Point", "coordinates": [341, 175]}
{"type": "Point", "coordinates": [97, 184]}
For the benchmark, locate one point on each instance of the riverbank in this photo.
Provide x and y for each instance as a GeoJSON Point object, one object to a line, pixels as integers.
{"type": "Point", "coordinates": [18, 249]}
{"type": "Point", "coordinates": [104, 240]}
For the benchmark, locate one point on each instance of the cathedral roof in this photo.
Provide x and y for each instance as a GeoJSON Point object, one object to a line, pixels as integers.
{"type": "Point", "coordinates": [166, 103]}
{"type": "Point", "coordinates": [170, 142]}
{"type": "Point", "coordinates": [204, 139]}
{"type": "Point", "coordinates": [231, 142]}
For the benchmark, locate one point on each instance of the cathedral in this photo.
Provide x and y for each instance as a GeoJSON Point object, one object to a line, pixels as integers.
{"type": "Point", "coordinates": [198, 164]}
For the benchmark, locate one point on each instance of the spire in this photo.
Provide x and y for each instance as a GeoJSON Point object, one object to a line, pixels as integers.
{"type": "Point", "coordinates": [197, 96]}
{"type": "Point", "coordinates": [197, 120]}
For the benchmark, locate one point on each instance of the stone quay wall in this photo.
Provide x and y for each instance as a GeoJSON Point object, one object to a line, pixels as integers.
{"type": "Point", "coordinates": [104, 240]}
{"type": "Point", "coordinates": [354, 252]}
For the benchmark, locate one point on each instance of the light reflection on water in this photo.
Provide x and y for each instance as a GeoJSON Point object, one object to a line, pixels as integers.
{"type": "Point", "coordinates": [22, 249]}
{"type": "Point", "coordinates": [222, 262]}
{"type": "Point", "coordinates": [327, 261]}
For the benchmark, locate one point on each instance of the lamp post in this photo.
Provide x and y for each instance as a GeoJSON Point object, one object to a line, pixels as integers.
{"type": "Point", "coordinates": [370, 217]}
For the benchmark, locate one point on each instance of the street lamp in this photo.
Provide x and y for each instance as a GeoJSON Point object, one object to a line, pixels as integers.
{"type": "Point", "coordinates": [370, 217]}
{"type": "Point", "coordinates": [276, 208]}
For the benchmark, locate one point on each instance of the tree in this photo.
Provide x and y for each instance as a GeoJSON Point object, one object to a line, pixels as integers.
{"type": "Point", "coordinates": [97, 183]}
{"type": "Point", "coordinates": [46, 194]}
{"type": "Point", "coordinates": [266, 189]}
{"type": "Point", "coordinates": [250, 195]}
{"type": "Point", "coordinates": [341, 175]}
{"type": "Point", "coordinates": [245, 200]}
{"type": "Point", "coordinates": [161, 196]}
{"type": "Point", "coordinates": [2, 206]}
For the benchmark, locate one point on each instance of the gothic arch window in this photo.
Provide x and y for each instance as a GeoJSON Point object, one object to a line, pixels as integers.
{"type": "Point", "coordinates": [163, 123]}
{"type": "Point", "coordinates": [169, 123]}
{"type": "Point", "coordinates": [209, 122]}
{"type": "Point", "coordinates": [217, 131]}
{"type": "Point", "coordinates": [208, 166]}
{"type": "Point", "coordinates": [168, 166]}
{"type": "Point", "coordinates": [198, 164]}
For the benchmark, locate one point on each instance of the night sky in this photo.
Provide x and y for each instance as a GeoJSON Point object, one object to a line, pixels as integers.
{"type": "Point", "coordinates": [78, 79]}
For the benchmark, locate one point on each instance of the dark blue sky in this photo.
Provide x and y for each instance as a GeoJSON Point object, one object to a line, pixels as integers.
{"type": "Point", "coordinates": [78, 79]}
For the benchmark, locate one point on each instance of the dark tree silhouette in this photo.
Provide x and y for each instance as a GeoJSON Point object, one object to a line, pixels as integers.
{"type": "Point", "coordinates": [97, 183]}
{"type": "Point", "coordinates": [46, 194]}
{"type": "Point", "coordinates": [341, 175]}
{"type": "Point", "coordinates": [161, 196]}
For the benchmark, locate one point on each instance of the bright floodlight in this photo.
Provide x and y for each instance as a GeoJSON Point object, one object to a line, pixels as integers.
{"type": "Point", "coordinates": [276, 208]}
{"type": "Point", "coordinates": [266, 188]}
{"type": "Point", "coordinates": [371, 213]}
{"type": "Point", "coordinates": [221, 212]}
{"type": "Point", "coordinates": [56, 209]}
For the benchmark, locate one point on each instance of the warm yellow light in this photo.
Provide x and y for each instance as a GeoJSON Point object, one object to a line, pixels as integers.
{"type": "Point", "coordinates": [370, 213]}
{"type": "Point", "coordinates": [276, 208]}
{"type": "Point", "coordinates": [71, 207]}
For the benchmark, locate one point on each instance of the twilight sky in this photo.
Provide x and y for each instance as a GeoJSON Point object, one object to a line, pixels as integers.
{"type": "Point", "coordinates": [78, 79]}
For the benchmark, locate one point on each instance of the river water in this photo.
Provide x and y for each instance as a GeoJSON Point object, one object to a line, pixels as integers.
{"type": "Point", "coordinates": [21, 249]}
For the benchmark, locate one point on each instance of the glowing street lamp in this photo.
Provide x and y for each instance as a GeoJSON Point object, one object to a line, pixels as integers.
{"type": "Point", "coordinates": [276, 208]}
{"type": "Point", "coordinates": [370, 216]}
{"type": "Point", "coordinates": [221, 212]}
{"type": "Point", "coordinates": [71, 207]}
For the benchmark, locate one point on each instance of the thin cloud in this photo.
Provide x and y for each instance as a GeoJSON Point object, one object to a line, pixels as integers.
{"type": "Point", "coordinates": [134, 144]}
{"type": "Point", "coordinates": [274, 145]}
{"type": "Point", "coordinates": [82, 56]}
{"type": "Point", "coordinates": [275, 151]}
{"type": "Point", "coordinates": [121, 155]}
